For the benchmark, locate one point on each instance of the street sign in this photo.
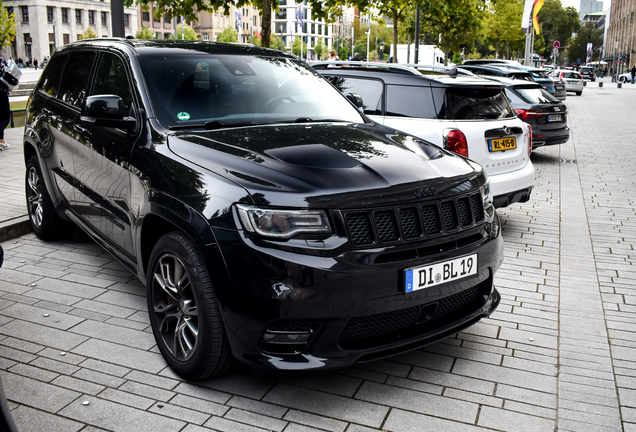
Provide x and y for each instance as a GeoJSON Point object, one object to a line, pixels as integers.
{"type": "Point", "coordinates": [557, 44]}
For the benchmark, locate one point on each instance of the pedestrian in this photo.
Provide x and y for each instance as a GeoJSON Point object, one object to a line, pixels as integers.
{"type": "Point", "coordinates": [633, 73]}
{"type": "Point", "coordinates": [356, 57]}
{"type": "Point", "coordinates": [7, 80]}
{"type": "Point", "coordinates": [332, 55]}
{"type": "Point", "coordinates": [27, 61]}
{"type": "Point", "coordinates": [35, 63]}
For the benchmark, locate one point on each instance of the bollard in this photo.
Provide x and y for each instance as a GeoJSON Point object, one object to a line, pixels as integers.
{"type": "Point", "coordinates": [584, 83]}
{"type": "Point", "coordinates": [600, 83]}
{"type": "Point", "coordinates": [619, 85]}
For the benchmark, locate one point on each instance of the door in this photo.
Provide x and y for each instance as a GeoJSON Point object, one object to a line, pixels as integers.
{"type": "Point", "coordinates": [102, 161]}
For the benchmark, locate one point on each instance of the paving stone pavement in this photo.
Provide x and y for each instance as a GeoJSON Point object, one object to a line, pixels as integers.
{"type": "Point", "coordinates": [558, 354]}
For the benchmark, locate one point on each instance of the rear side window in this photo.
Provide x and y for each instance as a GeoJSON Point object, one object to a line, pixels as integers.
{"type": "Point", "coordinates": [476, 103]}
{"type": "Point", "coordinates": [409, 101]}
{"type": "Point", "coordinates": [535, 95]}
{"type": "Point", "coordinates": [50, 81]}
{"type": "Point", "coordinates": [369, 89]}
{"type": "Point", "coordinates": [78, 70]}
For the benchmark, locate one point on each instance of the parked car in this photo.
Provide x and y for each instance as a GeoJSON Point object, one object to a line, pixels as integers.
{"type": "Point", "coordinates": [557, 89]}
{"type": "Point", "coordinates": [505, 71]}
{"type": "Point", "coordinates": [491, 62]}
{"type": "Point", "coordinates": [587, 72]}
{"type": "Point", "coordinates": [625, 77]}
{"type": "Point", "coordinates": [572, 79]}
{"type": "Point", "coordinates": [546, 114]}
{"type": "Point", "coordinates": [468, 115]}
{"type": "Point", "coordinates": [270, 220]}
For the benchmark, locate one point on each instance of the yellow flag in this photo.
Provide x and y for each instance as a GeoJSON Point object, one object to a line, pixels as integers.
{"type": "Point", "coordinates": [538, 4]}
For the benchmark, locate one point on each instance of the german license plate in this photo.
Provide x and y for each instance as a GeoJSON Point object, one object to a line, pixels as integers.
{"type": "Point", "coordinates": [559, 87]}
{"type": "Point", "coordinates": [435, 274]}
{"type": "Point", "coordinates": [554, 118]}
{"type": "Point", "coordinates": [502, 144]}
{"type": "Point", "coordinates": [572, 82]}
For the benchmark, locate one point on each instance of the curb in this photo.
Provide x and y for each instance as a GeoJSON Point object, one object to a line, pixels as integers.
{"type": "Point", "coordinates": [14, 228]}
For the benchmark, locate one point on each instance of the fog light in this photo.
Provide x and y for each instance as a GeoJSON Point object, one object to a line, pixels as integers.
{"type": "Point", "coordinates": [278, 337]}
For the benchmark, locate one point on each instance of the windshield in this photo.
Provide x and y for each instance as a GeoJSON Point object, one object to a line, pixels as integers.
{"type": "Point", "coordinates": [212, 91]}
{"type": "Point", "coordinates": [535, 95]}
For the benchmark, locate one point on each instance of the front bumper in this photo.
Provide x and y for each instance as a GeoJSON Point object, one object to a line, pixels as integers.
{"type": "Point", "coordinates": [352, 305]}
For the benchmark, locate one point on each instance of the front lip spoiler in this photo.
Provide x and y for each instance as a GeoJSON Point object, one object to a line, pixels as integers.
{"type": "Point", "coordinates": [310, 363]}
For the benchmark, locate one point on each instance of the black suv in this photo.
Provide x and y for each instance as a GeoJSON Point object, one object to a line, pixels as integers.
{"type": "Point", "coordinates": [270, 220]}
{"type": "Point", "coordinates": [587, 72]}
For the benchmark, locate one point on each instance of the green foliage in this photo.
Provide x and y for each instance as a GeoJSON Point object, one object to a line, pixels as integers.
{"type": "Point", "coordinates": [457, 58]}
{"type": "Point", "coordinates": [229, 34]}
{"type": "Point", "coordinates": [361, 48]}
{"type": "Point", "coordinates": [555, 23]}
{"type": "Point", "coordinates": [296, 47]}
{"type": "Point", "coordinates": [320, 48]}
{"type": "Point", "coordinates": [189, 33]}
{"type": "Point", "coordinates": [7, 26]}
{"type": "Point", "coordinates": [394, 9]}
{"type": "Point", "coordinates": [458, 21]}
{"type": "Point", "coordinates": [144, 33]}
{"type": "Point", "coordinates": [343, 53]}
{"type": "Point", "coordinates": [578, 48]}
{"type": "Point", "coordinates": [502, 26]}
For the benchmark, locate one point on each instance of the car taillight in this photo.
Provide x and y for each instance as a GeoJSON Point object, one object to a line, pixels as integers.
{"type": "Point", "coordinates": [529, 140]}
{"type": "Point", "coordinates": [455, 141]}
{"type": "Point", "coordinates": [523, 114]}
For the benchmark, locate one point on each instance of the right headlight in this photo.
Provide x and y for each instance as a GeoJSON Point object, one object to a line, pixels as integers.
{"type": "Point", "coordinates": [282, 224]}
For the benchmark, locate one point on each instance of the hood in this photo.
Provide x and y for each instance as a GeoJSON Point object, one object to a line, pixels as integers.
{"type": "Point", "coordinates": [322, 164]}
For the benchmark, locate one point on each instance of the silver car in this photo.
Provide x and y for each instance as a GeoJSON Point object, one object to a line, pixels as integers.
{"type": "Point", "coordinates": [572, 80]}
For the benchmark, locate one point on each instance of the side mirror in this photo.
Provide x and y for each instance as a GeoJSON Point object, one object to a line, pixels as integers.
{"type": "Point", "coordinates": [107, 110]}
{"type": "Point", "coordinates": [355, 99]}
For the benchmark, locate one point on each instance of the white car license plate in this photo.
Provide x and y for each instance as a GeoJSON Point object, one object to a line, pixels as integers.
{"type": "Point", "coordinates": [435, 274]}
{"type": "Point", "coordinates": [554, 118]}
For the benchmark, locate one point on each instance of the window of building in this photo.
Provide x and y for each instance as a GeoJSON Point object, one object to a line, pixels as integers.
{"type": "Point", "coordinates": [50, 13]}
{"type": "Point", "coordinates": [167, 35]}
{"type": "Point", "coordinates": [206, 36]}
{"type": "Point", "coordinates": [313, 29]}
{"type": "Point", "coordinates": [9, 10]}
{"type": "Point", "coordinates": [155, 19]}
{"type": "Point", "coordinates": [78, 16]}
{"type": "Point", "coordinates": [65, 15]}
{"type": "Point", "coordinates": [66, 38]}
{"type": "Point", "coordinates": [145, 16]}
{"type": "Point", "coordinates": [126, 20]}
{"type": "Point", "coordinates": [91, 17]}
{"type": "Point", "coordinates": [167, 20]}
{"type": "Point", "coordinates": [104, 18]}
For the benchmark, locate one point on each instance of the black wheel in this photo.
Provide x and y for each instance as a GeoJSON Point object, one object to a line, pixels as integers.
{"type": "Point", "coordinates": [45, 221]}
{"type": "Point", "coordinates": [271, 104]}
{"type": "Point", "coordinates": [184, 313]}
{"type": "Point", "coordinates": [579, 93]}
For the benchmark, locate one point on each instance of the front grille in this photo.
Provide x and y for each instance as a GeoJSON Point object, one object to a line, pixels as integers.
{"type": "Point", "coordinates": [369, 227]}
{"type": "Point", "coordinates": [369, 330]}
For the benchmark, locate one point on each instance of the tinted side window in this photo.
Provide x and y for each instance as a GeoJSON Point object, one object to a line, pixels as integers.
{"type": "Point", "coordinates": [111, 79]}
{"type": "Point", "coordinates": [50, 81]}
{"type": "Point", "coordinates": [370, 91]}
{"type": "Point", "coordinates": [409, 101]}
{"type": "Point", "coordinates": [477, 103]}
{"type": "Point", "coordinates": [78, 69]}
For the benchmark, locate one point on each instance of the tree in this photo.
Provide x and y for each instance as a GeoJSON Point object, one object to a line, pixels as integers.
{"type": "Point", "coordinates": [296, 45]}
{"type": "Point", "coordinates": [320, 48]}
{"type": "Point", "coordinates": [394, 9]}
{"type": "Point", "coordinates": [586, 34]}
{"type": "Point", "coordinates": [556, 24]}
{"type": "Point", "coordinates": [7, 26]}
{"type": "Point", "coordinates": [229, 34]}
{"type": "Point", "coordinates": [189, 33]}
{"type": "Point", "coordinates": [502, 26]}
{"type": "Point", "coordinates": [457, 21]}
{"type": "Point", "coordinates": [144, 33]}
{"type": "Point", "coordinates": [90, 34]}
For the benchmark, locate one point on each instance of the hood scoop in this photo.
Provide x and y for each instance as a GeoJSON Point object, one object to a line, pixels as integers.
{"type": "Point", "coordinates": [317, 156]}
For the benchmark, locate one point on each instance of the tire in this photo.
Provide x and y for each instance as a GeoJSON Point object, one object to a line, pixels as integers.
{"type": "Point", "coordinates": [45, 222]}
{"type": "Point", "coordinates": [579, 93]}
{"type": "Point", "coordinates": [184, 312]}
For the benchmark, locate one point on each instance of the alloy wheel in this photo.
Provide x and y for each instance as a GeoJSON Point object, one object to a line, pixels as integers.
{"type": "Point", "coordinates": [175, 307]}
{"type": "Point", "coordinates": [34, 197]}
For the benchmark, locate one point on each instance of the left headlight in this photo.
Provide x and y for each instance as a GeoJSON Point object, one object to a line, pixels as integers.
{"type": "Point", "coordinates": [282, 224]}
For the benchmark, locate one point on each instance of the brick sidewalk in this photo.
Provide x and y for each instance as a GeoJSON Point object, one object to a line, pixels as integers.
{"type": "Point", "coordinates": [558, 354]}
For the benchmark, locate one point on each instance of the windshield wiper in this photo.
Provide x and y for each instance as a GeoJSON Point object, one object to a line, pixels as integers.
{"type": "Point", "coordinates": [310, 120]}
